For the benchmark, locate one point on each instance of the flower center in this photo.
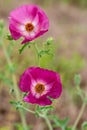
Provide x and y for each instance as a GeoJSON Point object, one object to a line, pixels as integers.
{"type": "Point", "coordinates": [39, 88]}
{"type": "Point", "coordinates": [29, 27]}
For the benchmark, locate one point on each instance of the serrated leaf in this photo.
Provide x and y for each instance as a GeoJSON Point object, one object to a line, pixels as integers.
{"type": "Point", "coordinates": [43, 52]}
{"type": "Point", "coordinates": [18, 104]}
{"type": "Point", "coordinates": [59, 123]}
{"type": "Point", "coordinates": [43, 109]}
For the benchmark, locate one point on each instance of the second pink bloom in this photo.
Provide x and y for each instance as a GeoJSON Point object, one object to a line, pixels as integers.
{"type": "Point", "coordinates": [41, 85]}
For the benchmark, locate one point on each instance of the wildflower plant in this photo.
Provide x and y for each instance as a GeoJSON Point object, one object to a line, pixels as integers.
{"type": "Point", "coordinates": [40, 86]}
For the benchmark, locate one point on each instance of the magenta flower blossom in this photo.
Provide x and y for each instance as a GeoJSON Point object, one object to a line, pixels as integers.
{"type": "Point", "coordinates": [28, 21]}
{"type": "Point", "coordinates": [41, 85]}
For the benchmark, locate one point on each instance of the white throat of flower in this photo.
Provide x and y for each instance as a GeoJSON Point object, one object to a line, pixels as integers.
{"type": "Point", "coordinates": [39, 88]}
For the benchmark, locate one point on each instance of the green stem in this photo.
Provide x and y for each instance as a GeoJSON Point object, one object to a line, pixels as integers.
{"type": "Point", "coordinates": [14, 84]}
{"type": "Point", "coordinates": [79, 116]}
{"type": "Point", "coordinates": [42, 116]}
{"type": "Point", "coordinates": [23, 47]}
{"type": "Point", "coordinates": [48, 122]}
{"type": "Point", "coordinates": [23, 119]}
{"type": "Point", "coordinates": [28, 110]}
{"type": "Point", "coordinates": [37, 51]}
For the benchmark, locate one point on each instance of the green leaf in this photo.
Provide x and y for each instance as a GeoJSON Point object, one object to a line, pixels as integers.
{"type": "Point", "coordinates": [18, 104]}
{"type": "Point", "coordinates": [25, 94]}
{"type": "Point", "coordinates": [9, 37]}
{"type": "Point", "coordinates": [13, 102]}
{"type": "Point", "coordinates": [20, 127]}
{"type": "Point", "coordinates": [59, 123]}
{"type": "Point", "coordinates": [11, 91]}
{"type": "Point", "coordinates": [43, 109]}
{"type": "Point", "coordinates": [84, 125]}
{"type": "Point", "coordinates": [43, 52]}
{"type": "Point", "coordinates": [49, 41]}
{"type": "Point", "coordinates": [68, 128]}
{"type": "Point", "coordinates": [77, 79]}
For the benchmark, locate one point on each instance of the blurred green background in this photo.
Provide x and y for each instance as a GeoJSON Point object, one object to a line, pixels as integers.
{"type": "Point", "coordinates": [68, 27]}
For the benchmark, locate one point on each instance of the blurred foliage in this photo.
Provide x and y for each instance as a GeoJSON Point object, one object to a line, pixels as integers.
{"type": "Point", "coordinates": [4, 128]}
{"type": "Point", "coordinates": [18, 126]}
{"type": "Point", "coordinates": [81, 3]}
{"type": "Point", "coordinates": [68, 67]}
{"type": "Point", "coordinates": [84, 125]}
{"type": "Point", "coordinates": [59, 123]}
{"type": "Point", "coordinates": [77, 80]}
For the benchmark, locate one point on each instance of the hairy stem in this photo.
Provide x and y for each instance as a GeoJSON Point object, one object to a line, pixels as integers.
{"type": "Point", "coordinates": [48, 123]}
{"type": "Point", "coordinates": [79, 116]}
{"type": "Point", "coordinates": [37, 51]}
{"type": "Point", "coordinates": [23, 47]}
{"type": "Point", "coordinates": [44, 116]}
{"type": "Point", "coordinates": [28, 110]}
{"type": "Point", "coordinates": [22, 115]}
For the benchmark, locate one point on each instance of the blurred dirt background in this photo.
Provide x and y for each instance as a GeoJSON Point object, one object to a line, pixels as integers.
{"type": "Point", "coordinates": [68, 27]}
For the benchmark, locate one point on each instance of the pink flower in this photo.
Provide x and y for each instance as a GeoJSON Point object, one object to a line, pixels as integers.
{"type": "Point", "coordinates": [41, 85]}
{"type": "Point", "coordinates": [28, 21]}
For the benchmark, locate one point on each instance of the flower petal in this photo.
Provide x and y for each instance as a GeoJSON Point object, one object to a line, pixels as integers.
{"type": "Point", "coordinates": [15, 35]}
{"type": "Point", "coordinates": [15, 32]}
{"type": "Point", "coordinates": [43, 21]}
{"type": "Point", "coordinates": [25, 82]}
{"type": "Point", "coordinates": [41, 101]}
{"type": "Point", "coordinates": [55, 90]}
{"type": "Point", "coordinates": [43, 74]}
{"type": "Point", "coordinates": [21, 14]}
